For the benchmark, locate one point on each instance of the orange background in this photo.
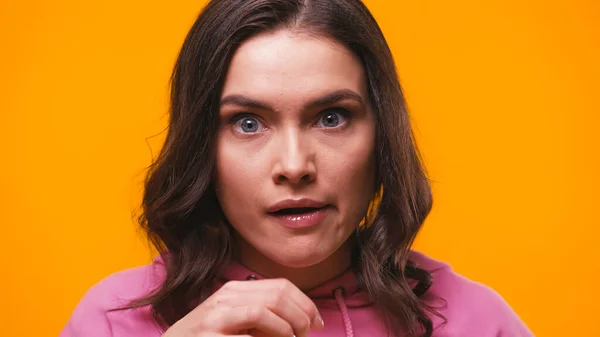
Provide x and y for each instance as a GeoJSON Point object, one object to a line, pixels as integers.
{"type": "Point", "coordinates": [505, 100]}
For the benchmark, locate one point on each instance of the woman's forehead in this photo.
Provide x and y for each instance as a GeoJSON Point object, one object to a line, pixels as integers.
{"type": "Point", "coordinates": [285, 66]}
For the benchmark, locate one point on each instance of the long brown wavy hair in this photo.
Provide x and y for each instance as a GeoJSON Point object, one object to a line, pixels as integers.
{"type": "Point", "coordinates": [181, 214]}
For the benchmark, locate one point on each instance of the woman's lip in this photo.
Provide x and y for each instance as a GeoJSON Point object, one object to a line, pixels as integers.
{"type": "Point", "coordinates": [295, 203]}
{"type": "Point", "coordinates": [301, 220]}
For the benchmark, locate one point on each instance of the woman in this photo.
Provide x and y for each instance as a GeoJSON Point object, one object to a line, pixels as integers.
{"type": "Point", "coordinates": [288, 193]}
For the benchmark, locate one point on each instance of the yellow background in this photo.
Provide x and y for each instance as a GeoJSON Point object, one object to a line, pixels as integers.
{"type": "Point", "coordinates": [504, 96]}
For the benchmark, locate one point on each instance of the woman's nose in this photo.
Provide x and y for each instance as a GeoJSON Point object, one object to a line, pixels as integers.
{"type": "Point", "coordinates": [294, 162]}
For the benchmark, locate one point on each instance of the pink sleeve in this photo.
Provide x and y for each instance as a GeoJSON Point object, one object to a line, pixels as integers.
{"type": "Point", "coordinates": [471, 309]}
{"type": "Point", "coordinates": [511, 324]}
{"type": "Point", "coordinates": [88, 319]}
{"type": "Point", "coordinates": [95, 315]}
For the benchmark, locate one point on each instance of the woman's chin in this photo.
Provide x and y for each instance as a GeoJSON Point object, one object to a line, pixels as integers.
{"type": "Point", "coordinates": [293, 259]}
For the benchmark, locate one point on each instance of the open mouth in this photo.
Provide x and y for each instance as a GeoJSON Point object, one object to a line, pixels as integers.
{"type": "Point", "coordinates": [297, 211]}
{"type": "Point", "coordinates": [300, 217]}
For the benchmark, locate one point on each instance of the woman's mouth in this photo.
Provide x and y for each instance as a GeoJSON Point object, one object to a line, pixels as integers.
{"type": "Point", "coordinates": [300, 217]}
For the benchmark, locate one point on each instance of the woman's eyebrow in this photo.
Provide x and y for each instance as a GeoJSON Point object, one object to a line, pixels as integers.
{"type": "Point", "coordinates": [328, 99]}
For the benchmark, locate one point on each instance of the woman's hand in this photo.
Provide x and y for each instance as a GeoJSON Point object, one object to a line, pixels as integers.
{"type": "Point", "coordinates": [273, 307]}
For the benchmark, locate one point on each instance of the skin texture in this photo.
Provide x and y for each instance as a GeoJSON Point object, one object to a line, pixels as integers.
{"type": "Point", "coordinates": [287, 148]}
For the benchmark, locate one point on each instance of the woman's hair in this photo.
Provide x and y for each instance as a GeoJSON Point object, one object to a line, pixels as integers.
{"type": "Point", "coordinates": [181, 213]}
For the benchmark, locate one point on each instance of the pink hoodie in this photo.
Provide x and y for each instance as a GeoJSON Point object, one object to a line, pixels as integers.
{"type": "Point", "coordinates": [471, 309]}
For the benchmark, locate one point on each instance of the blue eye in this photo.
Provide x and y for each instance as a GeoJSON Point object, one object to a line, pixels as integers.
{"type": "Point", "coordinates": [333, 118]}
{"type": "Point", "coordinates": [248, 125]}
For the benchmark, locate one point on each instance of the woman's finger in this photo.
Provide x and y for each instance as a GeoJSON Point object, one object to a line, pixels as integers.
{"type": "Point", "coordinates": [285, 307]}
{"type": "Point", "coordinates": [279, 289]}
{"type": "Point", "coordinates": [250, 317]}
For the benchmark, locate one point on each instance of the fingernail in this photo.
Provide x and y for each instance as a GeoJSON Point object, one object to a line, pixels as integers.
{"type": "Point", "coordinates": [319, 321]}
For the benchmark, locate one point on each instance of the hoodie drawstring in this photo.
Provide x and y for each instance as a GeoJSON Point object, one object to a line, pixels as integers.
{"type": "Point", "coordinates": [339, 297]}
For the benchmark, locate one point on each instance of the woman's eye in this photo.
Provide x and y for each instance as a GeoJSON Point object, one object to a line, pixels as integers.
{"type": "Point", "coordinates": [333, 118]}
{"type": "Point", "coordinates": [248, 125]}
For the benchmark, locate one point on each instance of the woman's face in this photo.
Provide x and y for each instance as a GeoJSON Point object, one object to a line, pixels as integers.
{"type": "Point", "coordinates": [295, 153]}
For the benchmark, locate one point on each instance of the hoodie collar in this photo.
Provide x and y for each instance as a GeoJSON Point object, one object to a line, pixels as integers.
{"type": "Point", "coordinates": [354, 295]}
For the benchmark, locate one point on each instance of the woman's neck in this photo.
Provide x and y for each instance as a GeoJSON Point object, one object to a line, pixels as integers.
{"type": "Point", "coordinates": [305, 278]}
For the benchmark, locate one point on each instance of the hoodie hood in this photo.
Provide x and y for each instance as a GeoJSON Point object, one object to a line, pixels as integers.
{"type": "Point", "coordinates": [346, 283]}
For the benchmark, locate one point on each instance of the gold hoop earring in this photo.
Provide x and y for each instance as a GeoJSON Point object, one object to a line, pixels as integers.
{"type": "Point", "coordinates": [372, 210]}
